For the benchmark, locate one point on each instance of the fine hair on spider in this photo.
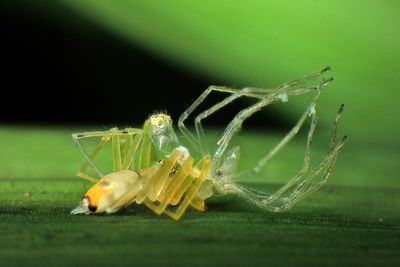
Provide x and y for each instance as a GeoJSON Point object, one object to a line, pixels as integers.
{"type": "Point", "coordinates": [151, 167]}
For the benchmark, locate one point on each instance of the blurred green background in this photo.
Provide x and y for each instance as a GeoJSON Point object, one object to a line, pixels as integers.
{"type": "Point", "coordinates": [265, 43]}
{"type": "Point", "coordinates": [354, 220]}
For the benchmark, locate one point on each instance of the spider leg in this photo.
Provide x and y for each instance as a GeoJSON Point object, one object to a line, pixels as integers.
{"type": "Point", "coordinates": [162, 189]}
{"type": "Point", "coordinates": [181, 122]}
{"type": "Point", "coordinates": [130, 150]}
{"type": "Point", "coordinates": [310, 111]}
{"type": "Point", "coordinates": [303, 183]}
{"type": "Point", "coordinates": [195, 183]}
{"type": "Point", "coordinates": [289, 88]}
{"type": "Point", "coordinates": [235, 94]}
{"type": "Point", "coordinates": [171, 189]}
{"type": "Point", "coordinates": [245, 92]}
{"type": "Point", "coordinates": [312, 76]}
{"type": "Point", "coordinates": [105, 137]}
{"type": "Point", "coordinates": [267, 97]}
{"type": "Point", "coordinates": [200, 143]}
{"type": "Point", "coordinates": [124, 147]}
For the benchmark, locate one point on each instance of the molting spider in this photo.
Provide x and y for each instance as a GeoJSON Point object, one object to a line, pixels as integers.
{"type": "Point", "coordinates": [151, 167]}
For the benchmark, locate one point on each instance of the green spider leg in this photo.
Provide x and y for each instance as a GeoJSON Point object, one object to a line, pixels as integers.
{"type": "Point", "coordinates": [124, 146]}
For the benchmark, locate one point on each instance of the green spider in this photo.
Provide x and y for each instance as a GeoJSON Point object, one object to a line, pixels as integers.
{"type": "Point", "coordinates": [151, 167]}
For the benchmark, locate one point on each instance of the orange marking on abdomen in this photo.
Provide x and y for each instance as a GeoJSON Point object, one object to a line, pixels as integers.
{"type": "Point", "coordinates": [94, 194]}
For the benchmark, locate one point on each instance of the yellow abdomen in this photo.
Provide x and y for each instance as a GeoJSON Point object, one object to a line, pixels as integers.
{"type": "Point", "coordinates": [166, 188]}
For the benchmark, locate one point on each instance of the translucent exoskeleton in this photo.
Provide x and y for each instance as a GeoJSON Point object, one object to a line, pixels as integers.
{"type": "Point", "coordinates": [151, 167]}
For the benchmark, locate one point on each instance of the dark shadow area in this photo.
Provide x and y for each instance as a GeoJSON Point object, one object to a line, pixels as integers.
{"type": "Point", "coordinates": [60, 68]}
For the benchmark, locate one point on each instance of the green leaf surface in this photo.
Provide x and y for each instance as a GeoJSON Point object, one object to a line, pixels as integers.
{"type": "Point", "coordinates": [348, 226]}
{"type": "Point", "coordinates": [353, 221]}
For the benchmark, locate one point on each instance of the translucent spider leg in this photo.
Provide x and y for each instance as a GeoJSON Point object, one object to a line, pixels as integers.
{"type": "Point", "coordinates": [235, 125]}
{"type": "Point", "coordinates": [105, 137]}
{"type": "Point", "coordinates": [301, 184]}
{"type": "Point", "coordinates": [197, 144]}
{"type": "Point", "coordinates": [89, 158]}
{"type": "Point", "coordinates": [310, 77]}
{"type": "Point", "coordinates": [235, 94]}
{"type": "Point", "coordinates": [281, 93]}
{"type": "Point", "coordinates": [310, 111]}
{"type": "Point", "coordinates": [254, 93]}
{"type": "Point", "coordinates": [301, 181]}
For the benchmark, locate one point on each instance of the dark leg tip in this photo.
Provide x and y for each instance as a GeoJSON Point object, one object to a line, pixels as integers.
{"type": "Point", "coordinates": [326, 81]}
{"type": "Point", "coordinates": [341, 108]}
{"type": "Point", "coordinates": [326, 69]}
